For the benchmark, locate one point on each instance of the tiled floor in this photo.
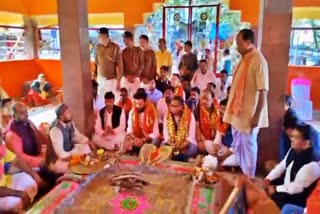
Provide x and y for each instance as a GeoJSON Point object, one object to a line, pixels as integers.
{"type": "Point", "coordinates": [45, 114]}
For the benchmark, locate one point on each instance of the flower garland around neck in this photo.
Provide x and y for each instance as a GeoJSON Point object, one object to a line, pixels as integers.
{"type": "Point", "coordinates": [178, 137]}
{"type": "Point", "coordinates": [209, 123]}
{"type": "Point", "coordinates": [141, 129]}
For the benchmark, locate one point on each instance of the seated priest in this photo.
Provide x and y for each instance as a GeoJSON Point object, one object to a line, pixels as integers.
{"type": "Point", "coordinates": [110, 125]}
{"type": "Point", "coordinates": [294, 178]}
{"type": "Point", "coordinates": [39, 92]}
{"type": "Point", "coordinates": [65, 141]}
{"type": "Point", "coordinates": [179, 128]}
{"type": "Point", "coordinates": [142, 124]}
{"type": "Point", "coordinates": [210, 127]}
{"type": "Point", "coordinates": [18, 182]}
{"type": "Point", "coordinates": [23, 138]}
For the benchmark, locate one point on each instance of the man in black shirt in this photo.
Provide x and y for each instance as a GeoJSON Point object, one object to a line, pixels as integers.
{"type": "Point", "coordinates": [163, 80]}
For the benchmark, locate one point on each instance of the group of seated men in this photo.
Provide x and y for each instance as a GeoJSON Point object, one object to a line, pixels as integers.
{"type": "Point", "coordinates": [190, 127]}
{"type": "Point", "coordinates": [125, 128]}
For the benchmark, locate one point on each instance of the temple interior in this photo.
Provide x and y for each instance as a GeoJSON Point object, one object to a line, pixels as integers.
{"type": "Point", "coordinates": [160, 106]}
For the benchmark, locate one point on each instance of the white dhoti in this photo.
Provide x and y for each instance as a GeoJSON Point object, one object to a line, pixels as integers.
{"type": "Point", "coordinates": [245, 149]}
{"type": "Point", "coordinates": [230, 161]}
{"type": "Point", "coordinates": [106, 85]}
{"type": "Point", "coordinates": [23, 182]}
{"type": "Point", "coordinates": [109, 142]}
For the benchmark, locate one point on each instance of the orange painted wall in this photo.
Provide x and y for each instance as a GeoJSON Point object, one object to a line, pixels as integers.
{"type": "Point", "coordinates": [311, 73]}
{"type": "Point", "coordinates": [133, 9]}
{"type": "Point", "coordinates": [250, 10]}
{"type": "Point", "coordinates": [306, 3]}
{"type": "Point", "coordinates": [52, 69]}
{"type": "Point", "coordinates": [14, 73]}
{"type": "Point", "coordinates": [15, 6]}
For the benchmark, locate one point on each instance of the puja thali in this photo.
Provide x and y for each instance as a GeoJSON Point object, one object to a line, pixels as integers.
{"type": "Point", "coordinates": [93, 162]}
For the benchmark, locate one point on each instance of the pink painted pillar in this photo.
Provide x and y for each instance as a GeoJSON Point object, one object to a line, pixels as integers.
{"type": "Point", "coordinates": [75, 57]}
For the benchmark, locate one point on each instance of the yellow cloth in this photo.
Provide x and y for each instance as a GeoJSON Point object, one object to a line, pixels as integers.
{"type": "Point", "coordinates": [5, 180]}
{"type": "Point", "coordinates": [43, 95]}
{"type": "Point", "coordinates": [3, 94]}
{"type": "Point", "coordinates": [163, 59]}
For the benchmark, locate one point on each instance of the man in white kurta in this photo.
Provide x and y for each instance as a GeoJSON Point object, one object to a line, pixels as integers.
{"type": "Point", "coordinates": [295, 177]}
{"type": "Point", "coordinates": [222, 84]}
{"type": "Point", "coordinates": [186, 148]}
{"type": "Point", "coordinates": [203, 76]}
{"type": "Point", "coordinates": [247, 109]}
{"type": "Point", "coordinates": [110, 125]}
{"type": "Point", "coordinates": [162, 105]}
{"type": "Point", "coordinates": [65, 141]}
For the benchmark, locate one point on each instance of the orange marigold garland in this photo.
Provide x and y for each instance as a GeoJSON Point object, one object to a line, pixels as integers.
{"type": "Point", "coordinates": [141, 129]}
{"type": "Point", "coordinates": [210, 123]}
{"type": "Point", "coordinates": [178, 137]}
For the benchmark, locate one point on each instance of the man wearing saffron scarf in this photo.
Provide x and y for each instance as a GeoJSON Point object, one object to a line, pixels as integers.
{"type": "Point", "coordinates": [247, 109]}
{"type": "Point", "coordinates": [210, 127]}
{"type": "Point", "coordinates": [179, 129]}
{"type": "Point", "coordinates": [142, 124]}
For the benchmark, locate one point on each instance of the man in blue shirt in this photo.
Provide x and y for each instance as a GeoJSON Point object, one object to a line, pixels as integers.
{"type": "Point", "coordinates": [154, 95]}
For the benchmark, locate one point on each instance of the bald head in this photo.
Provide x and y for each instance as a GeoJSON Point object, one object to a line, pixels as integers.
{"type": "Point", "coordinates": [19, 111]}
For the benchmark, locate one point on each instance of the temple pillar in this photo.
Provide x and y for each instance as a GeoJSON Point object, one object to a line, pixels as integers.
{"type": "Point", "coordinates": [275, 43]}
{"type": "Point", "coordinates": [31, 38]}
{"type": "Point", "coordinates": [75, 58]}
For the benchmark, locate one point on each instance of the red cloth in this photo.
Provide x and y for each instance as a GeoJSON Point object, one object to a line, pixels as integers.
{"type": "Point", "coordinates": [34, 99]}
